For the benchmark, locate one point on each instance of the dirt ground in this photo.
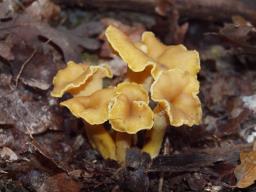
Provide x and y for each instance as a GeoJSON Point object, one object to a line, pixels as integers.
{"type": "Point", "coordinates": [44, 148]}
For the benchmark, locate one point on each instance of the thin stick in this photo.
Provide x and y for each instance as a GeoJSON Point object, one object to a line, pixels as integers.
{"type": "Point", "coordinates": [200, 9]}
{"type": "Point", "coordinates": [27, 61]}
{"type": "Point", "coordinates": [165, 152]}
{"type": "Point", "coordinates": [23, 66]}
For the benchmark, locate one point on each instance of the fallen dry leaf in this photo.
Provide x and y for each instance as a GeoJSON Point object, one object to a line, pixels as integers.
{"type": "Point", "coordinates": [5, 51]}
{"type": "Point", "coordinates": [246, 171]}
{"type": "Point", "coordinates": [250, 102]}
{"type": "Point", "coordinates": [36, 67]}
{"type": "Point", "coordinates": [8, 154]}
{"type": "Point", "coordinates": [117, 66]}
{"type": "Point", "coordinates": [134, 32]}
{"type": "Point", "coordinates": [43, 10]}
{"type": "Point", "coordinates": [28, 114]}
{"type": "Point", "coordinates": [241, 36]}
{"type": "Point", "coordinates": [59, 183]}
{"type": "Point", "coordinates": [30, 30]}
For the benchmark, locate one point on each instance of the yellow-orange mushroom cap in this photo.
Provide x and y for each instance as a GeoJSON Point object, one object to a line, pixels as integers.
{"type": "Point", "coordinates": [136, 59]}
{"type": "Point", "coordinates": [151, 53]}
{"type": "Point", "coordinates": [176, 91]}
{"type": "Point", "coordinates": [144, 77]}
{"type": "Point", "coordinates": [79, 79]}
{"type": "Point", "coordinates": [129, 110]}
{"type": "Point", "coordinates": [170, 57]}
{"type": "Point", "coordinates": [94, 82]}
{"type": "Point", "coordinates": [154, 48]}
{"type": "Point", "coordinates": [93, 108]}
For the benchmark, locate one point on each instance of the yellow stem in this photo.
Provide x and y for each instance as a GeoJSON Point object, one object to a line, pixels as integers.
{"type": "Point", "coordinates": [123, 142]}
{"type": "Point", "coordinates": [100, 139]}
{"type": "Point", "coordinates": [156, 134]}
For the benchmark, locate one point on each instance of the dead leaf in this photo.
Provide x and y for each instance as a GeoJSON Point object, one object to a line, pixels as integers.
{"type": "Point", "coordinates": [240, 36]}
{"type": "Point", "coordinates": [43, 10]}
{"type": "Point", "coordinates": [250, 102]}
{"type": "Point", "coordinates": [38, 72]}
{"type": "Point", "coordinates": [6, 137]}
{"type": "Point", "coordinates": [10, 185]}
{"type": "Point", "coordinates": [54, 150]}
{"type": "Point", "coordinates": [89, 29]}
{"type": "Point", "coordinates": [27, 28]}
{"type": "Point", "coordinates": [246, 171]}
{"type": "Point", "coordinates": [27, 113]}
{"type": "Point", "coordinates": [117, 66]}
{"type": "Point", "coordinates": [134, 32]}
{"type": "Point", "coordinates": [59, 183]}
{"type": "Point", "coordinates": [5, 51]}
{"type": "Point", "coordinates": [163, 7]}
{"type": "Point", "coordinates": [8, 154]}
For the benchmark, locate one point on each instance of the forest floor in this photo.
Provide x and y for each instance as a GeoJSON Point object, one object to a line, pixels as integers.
{"type": "Point", "coordinates": [44, 148]}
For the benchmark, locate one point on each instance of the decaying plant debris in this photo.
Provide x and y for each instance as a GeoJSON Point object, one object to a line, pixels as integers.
{"type": "Point", "coordinates": [44, 148]}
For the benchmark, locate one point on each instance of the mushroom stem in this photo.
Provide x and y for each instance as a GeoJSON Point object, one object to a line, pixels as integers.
{"type": "Point", "coordinates": [156, 134]}
{"type": "Point", "coordinates": [100, 139]}
{"type": "Point", "coordinates": [123, 142]}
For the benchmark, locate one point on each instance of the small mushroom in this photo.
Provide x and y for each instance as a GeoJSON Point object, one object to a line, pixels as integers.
{"type": "Point", "coordinates": [136, 59]}
{"type": "Point", "coordinates": [176, 91]}
{"type": "Point", "coordinates": [155, 135]}
{"type": "Point", "coordinates": [123, 142]}
{"type": "Point", "coordinates": [172, 56]}
{"type": "Point", "coordinates": [167, 73]}
{"type": "Point", "coordinates": [85, 83]}
{"type": "Point", "coordinates": [151, 53]}
{"type": "Point", "coordinates": [101, 140]}
{"type": "Point", "coordinates": [129, 111]}
{"type": "Point", "coordinates": [93, 108]}
{"type": "Point", "coordinates": [79, 79]}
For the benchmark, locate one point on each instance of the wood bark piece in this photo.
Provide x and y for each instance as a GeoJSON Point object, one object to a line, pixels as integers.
{"type": "Point", "coordinates": [200, 9]}
{"type": "Point", "coordinates": [195, 160]}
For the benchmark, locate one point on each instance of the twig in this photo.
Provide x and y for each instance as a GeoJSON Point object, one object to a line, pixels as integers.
{"type": "Point", "coordinates": [27, 61]}
{"type": "Point", "coordinates": [200, 9]}
{"type": "Point", "coordinates": [196, 159]}
{"type": "Point", "coordinates": [23, 66]}
{"type": "Point", "coordinates": [166, 152]}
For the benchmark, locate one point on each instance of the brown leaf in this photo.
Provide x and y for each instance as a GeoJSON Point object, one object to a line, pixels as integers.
{"type": "Point", "coordinates": [59, 183]}
{"type": "Point", "coordinates": [27, 113]}
{"type": "Point", "coordinates": [134, 32]}
{"type": "Point", "coordinates": [195, 159]}
{"type": "Point", "coordinates": [5, 51]}
{"type": "Point", "coordinates": [246, 171]}
{"type": "Point", "coordinates": [43, 10]}
{"type": "Point", "coordinates": [54, 149]}
{"type": "Point", "coordinates": [163, 7]}
{"type": "Point", "coordinates": [27, 28]}
{"type": "Point", "coordinates": [241, 36]}
{"type": "Point", "coordinates": [6, 137]}
{"type": "Point", "coordinates": [25, 35]}
{"type": "Point", "coordinates": [236, 33]}
{"type": "Point", "coordinates": [117, 66]}
{"type": "Point", "coordinates": [250, 102]}
{"type": "Point", "coordinates": [8, 154]}
{"type": "Point", "coordinates": [38, 72]}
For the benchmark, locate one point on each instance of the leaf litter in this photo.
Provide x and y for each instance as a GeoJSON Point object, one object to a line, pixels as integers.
{"type": "Point", "coordinates": [43, 148]}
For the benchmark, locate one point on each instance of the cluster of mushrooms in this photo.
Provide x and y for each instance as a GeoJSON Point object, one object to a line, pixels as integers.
{"type": "Point", "coordinates": [159, 89]}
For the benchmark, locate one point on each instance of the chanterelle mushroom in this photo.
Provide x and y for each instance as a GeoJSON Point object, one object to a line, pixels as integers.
{"type": "Point", "coordinates": [175, 91]}
{"type": "Point", "coordinates": [85, 83]}
{"type": "Point", "coordinates": [129, 111]}
{"type": "Point", "coordinates": [160, 74]}
{"type": "Point", "coordinates": [175, 86]}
